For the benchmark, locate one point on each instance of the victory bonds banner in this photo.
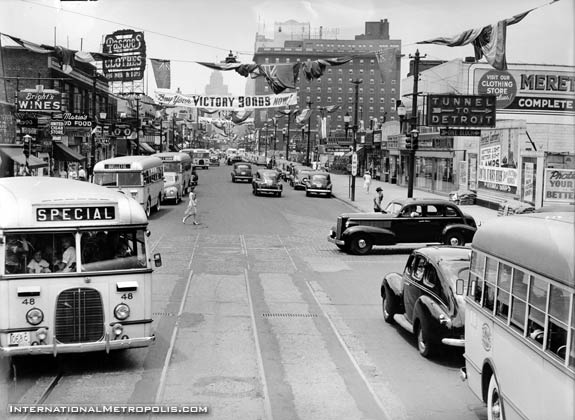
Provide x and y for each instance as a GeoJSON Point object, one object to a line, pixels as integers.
{"type": "Point", "coordinates": [226, 102]}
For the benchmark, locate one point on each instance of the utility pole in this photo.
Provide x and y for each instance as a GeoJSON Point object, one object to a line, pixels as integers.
{"type": "Point", "coordinates": [414, 132]}
{"type": "Point", "coordinates": [309, 102]}
{"type": "Point", "coordinates": [275, 135]}
{"type": "Point", "coordinates": [93, 136]}
{"type": "Point", "coordinates": [287, 137]}
{"type": "Point", "coordinates": [356, 82]}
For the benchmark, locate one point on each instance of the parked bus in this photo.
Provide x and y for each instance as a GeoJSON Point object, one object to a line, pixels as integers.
{"type": "Point", "coordinates": [177, 174]}
{"type": "Point", "coordinates": [520, 317]}
{"type": "Point", "coordinates": [75, 268]}
{"type": "Point", "coordinates": [200, 157]}
{"type": "Point", "coordinates": [141, 177]}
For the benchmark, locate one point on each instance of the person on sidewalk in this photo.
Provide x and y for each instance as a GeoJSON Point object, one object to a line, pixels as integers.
{"type": "Point", "coordinates": [366, 181]}
{"type": "Point", "coordinates": [192, 209]}
{"type": "Point", "coordinates": [378, 200]}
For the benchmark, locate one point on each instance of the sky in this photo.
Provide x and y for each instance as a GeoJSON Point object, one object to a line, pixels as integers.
{"type": "Point", "coordinates": [186, 31]}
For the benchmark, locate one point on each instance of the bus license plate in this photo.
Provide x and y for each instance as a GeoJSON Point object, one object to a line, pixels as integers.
{"type": "Point", "coordinates": [20, 338]}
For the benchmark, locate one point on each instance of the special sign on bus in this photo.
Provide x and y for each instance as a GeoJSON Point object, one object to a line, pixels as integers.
{"type": "Point", "coordinates": [65, 214]}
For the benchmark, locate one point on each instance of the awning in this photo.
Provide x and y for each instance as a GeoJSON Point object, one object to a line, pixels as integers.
{"type": "Point", "coordinates": [16, 154]}
{"type": "Point", "coordinates": [63, 153]}
{"type": "Point", "coordinates": [145, 147]}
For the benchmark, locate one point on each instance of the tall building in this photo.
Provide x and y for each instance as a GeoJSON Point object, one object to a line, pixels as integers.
{"type": "Point", "coordinates": [216, 85]}
{"type": "Point", "coordinates": [296, 42]}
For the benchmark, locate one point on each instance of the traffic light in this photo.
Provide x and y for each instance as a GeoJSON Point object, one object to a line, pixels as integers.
{"type": "Point", "coordinates": [408, 143]}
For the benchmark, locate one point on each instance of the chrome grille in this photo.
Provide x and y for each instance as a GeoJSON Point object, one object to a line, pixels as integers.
{"type": "Point", "coordinates": [339, 229]}
{"type": "Point", "coordinates": [79, 316]}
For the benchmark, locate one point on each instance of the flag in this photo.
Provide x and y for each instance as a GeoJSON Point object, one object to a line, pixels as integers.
{"type": "Point", "coordinates": [281, 76]}
{"type": "Point", "coordinates": [162, 73]}
{"type": "Point", "coordinates": [314, 69]}
{"type": "Point", "coordinates": [41, 49]}
{"type": "Point", "coordinates": [488, 41]}
{"type": "Point", "coordinates": [303, 116]}
{"type": "Point", "coordinates": [387, 59]}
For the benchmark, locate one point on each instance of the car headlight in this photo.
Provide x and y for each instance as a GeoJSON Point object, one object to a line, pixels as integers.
{"type": "Point", "coordinates": [34, 316]}
{"type": "Point", "coordinates": [122, 311]}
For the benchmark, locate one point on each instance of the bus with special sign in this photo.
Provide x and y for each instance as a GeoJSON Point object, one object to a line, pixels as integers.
{"type": "Point", "coordinates": [177, 175]}
{"type": "Point", "coordinates": [200, 157]}
{"type": "Point", "coordinates": [75, 268]}
{"type": "Point", "coordinates": [140, 177]}
{"type": "Point", "coordinates": [520, 317]}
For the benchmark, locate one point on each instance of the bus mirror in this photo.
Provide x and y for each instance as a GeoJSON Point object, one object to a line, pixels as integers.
{"type": "Point", "coordinates": [158, 260]}
{"type": "Point", "coordinates": [459, 287]}
{"type": "Point", "coordinates": [148, 233]}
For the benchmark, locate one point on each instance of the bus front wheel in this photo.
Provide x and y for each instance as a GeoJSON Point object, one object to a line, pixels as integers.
{"type": "Point", "coordinates": [494, 404]}
{"type": "Point", "coordinates": [148, 208]}
{"type": "Point", "coordinates": [159, 204]}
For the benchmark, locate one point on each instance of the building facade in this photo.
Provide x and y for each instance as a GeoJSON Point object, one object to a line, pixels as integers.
{"type": "Point", "coordinates": [528, 156]}
{"type": "Point", "coordinates": [377, 94]}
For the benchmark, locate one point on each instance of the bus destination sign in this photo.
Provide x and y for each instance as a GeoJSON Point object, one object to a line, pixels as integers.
{"type": "Point", "coordinates": [70, 214]}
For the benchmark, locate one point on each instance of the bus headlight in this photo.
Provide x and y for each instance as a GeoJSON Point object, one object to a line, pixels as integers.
{"type": "Point", "coordinates": [34, 316]}
{"type": "Point", "coordinates": [42, 333]}
{"type": "Point", "coordinates": [122, 311]}
{"type": "Point", "coordinates": [117, 329]}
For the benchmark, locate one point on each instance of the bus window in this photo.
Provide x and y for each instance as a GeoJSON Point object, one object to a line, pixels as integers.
{"type": "Point", "coordinates": [103, 250]}
{"type": "Point", "coordinates": [558, 320]}
{"type": "Point", "coordinates": [572, 346]}
{"type": "Point", "coordinates": [130, 178]}
{"type": "Point", "coordinates": [519, 299]}
{"type": "Point", "coordinates": [503, 287]}
{"type": "Point", "coordinates": [536, 316]}
{"type": "Point", "coordinates": [106, 179]}
{"type": "Point", "coordinates": [40, 253]}
{"type": "Point", "coordinates": [490, 276]}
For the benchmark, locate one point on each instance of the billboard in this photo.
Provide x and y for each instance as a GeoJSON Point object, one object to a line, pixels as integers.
{"type": "Point", "coordinates": [131, 47]}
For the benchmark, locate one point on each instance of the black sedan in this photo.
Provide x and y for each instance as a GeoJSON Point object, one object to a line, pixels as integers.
{"type": "Point", "coordinates": [404, 221]}
{"type": "Point", "coordinates": [427, 298]}
{"type": "Point", "coordinates": [318, 183]}
{"type": "Point", "coordinates": [242, 172]}
{"type": "Point", "coordinates": [266, 181]}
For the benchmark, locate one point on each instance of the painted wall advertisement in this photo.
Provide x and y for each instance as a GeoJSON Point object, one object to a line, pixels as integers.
{"type": "Point", "coordinates": [559, 186]}
{"type": "Point", "coordinates": [530, 89]}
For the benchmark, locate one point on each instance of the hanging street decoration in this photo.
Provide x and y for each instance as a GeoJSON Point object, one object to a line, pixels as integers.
{"type": "Point", "coordinates": [130, 47]}
{"type": "Point", "coordinates": [225, 102]}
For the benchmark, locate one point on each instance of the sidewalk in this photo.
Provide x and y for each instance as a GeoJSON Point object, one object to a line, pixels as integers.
{"type": "Point", "coordinates": [364, 202]}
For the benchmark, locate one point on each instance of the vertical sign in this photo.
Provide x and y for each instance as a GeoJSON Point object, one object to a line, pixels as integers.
{"type": "Point", "coordinates": [528, 182]}
{"type": "Point", "coordinates": [131, 47]}
{"type": "Point", "coordinates": [463, 174]}
{"type": "Point", "coordinates": [473, 172]}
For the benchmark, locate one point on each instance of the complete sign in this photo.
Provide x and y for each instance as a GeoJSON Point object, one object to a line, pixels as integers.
{"type": "Point", "coordinates": [461, 111]}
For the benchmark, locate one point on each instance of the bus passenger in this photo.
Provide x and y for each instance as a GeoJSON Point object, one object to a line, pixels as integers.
{"type": "Point", "coordinates": [38, 264]}
{"type": "Point", "coordinates": [68, 262]}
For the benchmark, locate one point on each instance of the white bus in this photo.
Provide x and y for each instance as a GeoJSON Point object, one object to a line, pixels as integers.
{"type": "Point", "coordinates": [75, 268]}
{"type": "Point", "coordinates": [520, 317]}
{"type": "Point", "coordinates": [177, 175]}
{"type": "Point", "coordinates": [140, 177]}
{"type": "Point", "coordinates": [200, 157]}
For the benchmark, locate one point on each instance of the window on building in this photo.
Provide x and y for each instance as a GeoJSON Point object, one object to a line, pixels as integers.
{"type": "Point", "coordinates": [360, 71]}
{"type": "Point", "coordinates": [371, 82]}
{"type": "Point", "coordinates": [339, 90]}
{"type": "Point", "coordinates": [329, 99]}
{"type": "Point", "coordinates": [329, 79]}
{"type": "Point", "coordinates": [318, 99]}
{"type": "Point", "coordinates": [371, 91]}
{"type": "Point", "coordinates": [340, 80]}
{"type": "Point", "coordinates": [371, 99]}
{"type": "Point", "coordinates": [266, 60]}
{"type": "Point", "coordinates": [339, 100]}
{"type": "Point", "coordinates": [393, 82]}
{"type": "Point", "coordinates": [328, 90]}
{"type": "Point", "coordinates": [287, 60]}
{"type": "Point", "coordinates": [371, 72]}
{"type": "Point", "coordinates": [382, 100]}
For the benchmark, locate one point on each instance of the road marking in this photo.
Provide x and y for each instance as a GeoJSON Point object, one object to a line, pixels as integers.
{"type": "Point", "coordinates": [382, 407]}
{"type": "Point", "coordinates": [267, 402]}
{"type": "Point", "coordinates": [162, 385]}
{"type": "Point", "coordinates": [288, 253]}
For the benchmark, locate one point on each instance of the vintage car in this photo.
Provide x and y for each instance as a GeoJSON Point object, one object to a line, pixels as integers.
{"type": "Point", "coordinates": [299, 176]}
{"type": "Point", "coordinates": [214, 160]}
{"type": "Point", "coordinates": [427, 299]}
{"type": "Point", "coordinates": [234, 159]}
{"type": "Point", "coordinates": [404, 221]}
{"type": "Point", "coordinates": [172, 188]}
{"type": "Point", "coordinates": [242, 172]}
{"type": "Point", "coordinates": [266, 181]}
{"type": "Point", "coordinates": [318, 183]}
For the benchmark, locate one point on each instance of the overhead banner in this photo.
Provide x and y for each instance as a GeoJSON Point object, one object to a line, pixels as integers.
{"type": "Point", "coordinates": [226, 102]}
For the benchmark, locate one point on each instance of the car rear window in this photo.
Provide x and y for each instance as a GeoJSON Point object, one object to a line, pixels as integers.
{"type": "Point", "coordinates": [243, 167]}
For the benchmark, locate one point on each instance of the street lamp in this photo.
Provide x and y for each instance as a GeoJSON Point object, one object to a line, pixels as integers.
{"type": "Point", "coordinates": [27, 150]}
{"type": "Point", "coordinates": [284, 132]}
{"type": "Point", "coordinates": [401, 112]}
{"type": "Point", "coordinates": [309, 102]}
{"type": "Point", "coordinates": [346, 121]}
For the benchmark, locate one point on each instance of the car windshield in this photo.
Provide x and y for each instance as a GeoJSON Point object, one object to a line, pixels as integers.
{"type": "Point", "coordinates": [269, 176]}
{"type": "Point", "coordinates": [393, 208]}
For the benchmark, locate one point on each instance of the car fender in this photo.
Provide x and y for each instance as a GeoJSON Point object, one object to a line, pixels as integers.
{"type": "Point", "coordinates": [426, 307]}
{"type": "Point", "coordinates": [392, 284]}
{"type": "Point", "coordinates": [467, 231]}
{"type": "Point", "coordinates": [380, 236]}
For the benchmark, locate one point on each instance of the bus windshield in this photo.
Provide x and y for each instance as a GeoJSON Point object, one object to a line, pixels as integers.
{"type": "Point", "coordinates": [129, 178]}
{"type": "Point", "coordinates": [99, 250]}
{"type": "Point", "coordinates": [172, 167]}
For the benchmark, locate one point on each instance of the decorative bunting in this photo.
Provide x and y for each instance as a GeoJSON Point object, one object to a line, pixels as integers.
{"type": "Point", "coordinates": [162, 73]}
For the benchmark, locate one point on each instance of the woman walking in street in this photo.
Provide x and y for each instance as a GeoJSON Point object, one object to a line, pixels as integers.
{"type": "Point", "coordinates": [192, 209]}
{"type": "Point", "coordinates": [366, 181]}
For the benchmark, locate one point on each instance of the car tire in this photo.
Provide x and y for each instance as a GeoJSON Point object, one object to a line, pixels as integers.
{"type": "Point", "coordinates": [425, 343]}
{"type": "Point", "coordinates": [233, 179]}
{"type": "Point", "coordinates": [178, 198]}
{"type": "Point", "coordinates": [307, 194]}
{"type": "Point", "coordinates": [361, 244]}
{"type": "Point", "coordinates": [344, 248]}
{"type": "Point", "coordinates": [454, 239]}
{"type": "Point", "coordinates": [388, 307]}
{"type": "Point", "coordinates": [494, 403]}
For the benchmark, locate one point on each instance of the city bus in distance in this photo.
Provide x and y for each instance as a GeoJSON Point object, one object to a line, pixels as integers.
{"type": "Point", "coordinates": [75, 268]}
{"type": "Point", "coordinates": [520, 317]}
{"type": "Point", "coordinates": [177, 174]}
{"type": "Point", "coordinates": [200, 157]}
{"type": "Point", "coordinates": [140, 177]}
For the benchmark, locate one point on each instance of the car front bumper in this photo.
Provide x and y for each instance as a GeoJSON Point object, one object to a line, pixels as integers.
{"type": "Point", "coordinates": [333, 238]}
{"type": "Point", "coordinates": [453, 342]}
{"type": "Point", "coordinates": [318, 191]}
